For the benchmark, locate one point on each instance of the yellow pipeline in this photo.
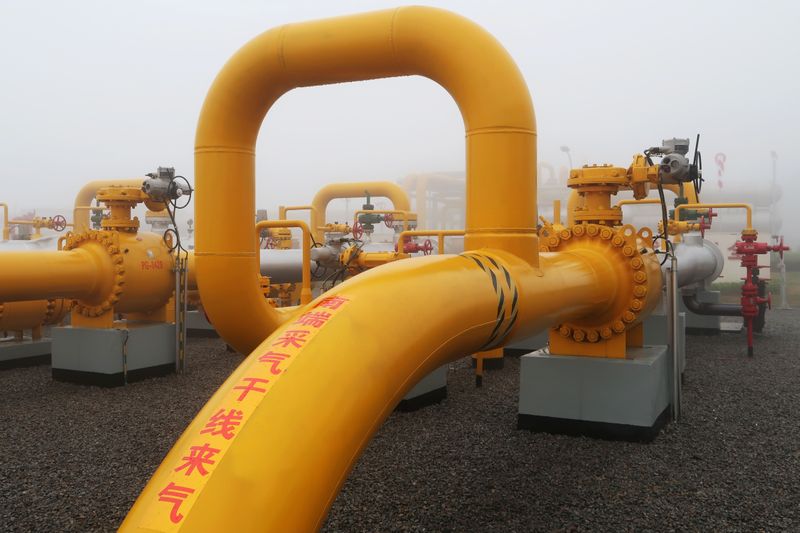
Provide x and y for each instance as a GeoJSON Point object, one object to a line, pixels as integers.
{"type": "Point", "coordinates": [305, 291]}
{"type": "Point", "coordinates": [80, 216]}
{"type": "Point", "coordinates": [345, 379]}
{"type": "Point", "coordinates": [334, 191]}
{"type": "Point", "coordinates": [441, 234]}
{"type": "Point", "coordinates": [452, 51]}
{"type": "Point", "coordinates": [89, 273]}
{"type": "Point", "coordinates": [748, 209]}
{"type": "Point", "coordinates": [283, 209]}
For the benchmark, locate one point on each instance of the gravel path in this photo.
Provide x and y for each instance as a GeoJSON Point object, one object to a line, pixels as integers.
{"type": "Point", "coordinates": [74, 458]}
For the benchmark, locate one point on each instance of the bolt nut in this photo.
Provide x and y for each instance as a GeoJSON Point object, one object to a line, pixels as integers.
{"type": "Point", "coordinates": [639, 291]}
{"type": "Point", "coordinates": [606, 332]}
{"type": "Point", "coordinates": [578, 230]}
{"type": "Point", "coordinates": [593, 335]}
{"type": "Point", "coordinates": [636, 305]}
{"type": "Point", "coordinates": [564, 331]}
{"type": "Point", "coordinates": [578, 335]}
{"type": "Point", "coordinates": [628, 317]}
{"type": "Point", "coordinates": [640, 277]}
{"type": "Point", "coordinates": [637, 263]}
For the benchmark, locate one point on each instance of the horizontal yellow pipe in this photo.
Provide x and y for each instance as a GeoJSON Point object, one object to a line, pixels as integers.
{"type": "Point", "coordinates": [748, 209]}
{"type": "Point", "coordinates": [41, 275]}
{"type": "Point", "coordinates": [454, 52]}
{"type": "Point", "coordinates": [337, 191]}
{"type": "Point", "coordinates": [643, 201]}
{"type": "Point", "coordinates": [346, 372]}
{"type": "Point", "coordinates": [283, 209]}
{"type": "Point", "coordinates": [441, 234]}
{"type": "Point", "coordinates": [305, 291]}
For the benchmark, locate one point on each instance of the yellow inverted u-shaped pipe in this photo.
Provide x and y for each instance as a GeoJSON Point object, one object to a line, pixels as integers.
{"type": "Point", "coordinates": [396, 194]}
{"type": "Point", "coordinates": [451, 50]}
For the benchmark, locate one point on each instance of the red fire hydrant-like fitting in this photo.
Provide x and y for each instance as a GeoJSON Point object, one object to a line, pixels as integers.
{"type": "Point", "coordinates": [412, 247]}
{"type": "Point", "coordinates": [749, 250]}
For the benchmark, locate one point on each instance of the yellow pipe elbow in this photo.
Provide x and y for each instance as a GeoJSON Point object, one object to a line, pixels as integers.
{"type": "Point", "coordinates": [283, 209]}
{"type": "Point", "coordinates": [451, 50]}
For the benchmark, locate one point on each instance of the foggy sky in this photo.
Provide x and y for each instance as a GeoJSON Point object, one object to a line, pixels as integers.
{"type": "Point", "coordinates": [101, 89]}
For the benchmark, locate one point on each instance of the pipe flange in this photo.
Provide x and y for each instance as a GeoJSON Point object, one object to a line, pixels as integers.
{"type": "Point", "coordinates": [109, 241]}
{"type": "Point", "coordinates": [633, 261]}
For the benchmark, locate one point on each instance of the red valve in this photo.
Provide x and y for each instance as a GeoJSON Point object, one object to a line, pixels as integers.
{"type": "Point", "coordinates": [749, 250]}
{"type": "Point", "coordinates": [427, 247]}
{"type": "Point", "coordinates": [388, 219]}
{"type": "Point", "coordinates": [358, 231]}
{"type": "Point", "coordinates": [59, 222]}
{"type": "Point", "coordinates": [704, 226]}
{"type": "Point", "coordinates": [270, 243]}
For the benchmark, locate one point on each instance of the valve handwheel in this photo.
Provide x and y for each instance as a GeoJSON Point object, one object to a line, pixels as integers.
{"type": "Point", "coordinates": [59, 223]}
{"type": "Point", "coordinates": [270, 244]}
{"type": "Point", "coordinates": [358, 231]}
{"type": "Point", "coordinates": [427, 247]}
{"type": "Point", "coordinates": [388, 219]}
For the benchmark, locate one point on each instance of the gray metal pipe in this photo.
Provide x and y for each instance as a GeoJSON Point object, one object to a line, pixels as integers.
{"type": "Point", "coordinates": [700, 261]}
{"type": "Point", "coordinates": [283, 266]}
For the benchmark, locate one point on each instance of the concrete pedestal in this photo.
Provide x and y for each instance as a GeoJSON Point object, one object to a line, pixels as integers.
{"type": "Point", "coordinates": [430, 390]}
{"type": "Point", "coordinates": [113, 357]}
{"type": "Point", "coordinates": [618, 399]}
{"type": "Point", "coordinates": [27, 352]}
{"type": "Point", "coordinates": [198, 326]}
{"type": "Point", "coordinates": [528, 345]}
{"type": "Point", "coordinates": [655, 333]}
{"type": "Point", "coordinates": [702, 324]}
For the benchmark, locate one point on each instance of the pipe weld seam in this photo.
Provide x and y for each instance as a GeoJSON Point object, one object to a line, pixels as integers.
{"type": "Point", "coordinates": [225, 254]}
{"type": "Point", "coordinates": [224, 149]}
{"type": "Point", "coordinates": [500, 129]}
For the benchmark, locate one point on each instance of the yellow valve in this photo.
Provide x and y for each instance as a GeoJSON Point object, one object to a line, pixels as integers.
{"type": "Point", "coordinates": [86, 195]}
{"type": "Point", "coordinates": [335, 228]}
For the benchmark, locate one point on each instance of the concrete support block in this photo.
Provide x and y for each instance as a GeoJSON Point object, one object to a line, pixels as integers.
{"type": "Point", "coordinates": [618, 399]}
{"type": "Point", "coordinates": [113, 357]}
{"type": "Point", "coordinates": [430, 390]}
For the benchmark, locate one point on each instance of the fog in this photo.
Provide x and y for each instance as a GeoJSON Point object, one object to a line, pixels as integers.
{"type": "Point", "coordinates": [97, 89]}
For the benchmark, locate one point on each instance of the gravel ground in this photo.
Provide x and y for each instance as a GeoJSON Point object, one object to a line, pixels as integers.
{"type": "Point", "coordinates": [74, 458]}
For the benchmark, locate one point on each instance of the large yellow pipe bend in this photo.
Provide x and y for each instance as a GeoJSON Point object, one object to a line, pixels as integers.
{"type": "Point", "coordinates": [334, 191]}
{"type": "Point", "coordinates": [285, 459]}
{"type": "Point", "coordinates": [456, 53]}
{"type": "Point", "coordinates": [84, 198]}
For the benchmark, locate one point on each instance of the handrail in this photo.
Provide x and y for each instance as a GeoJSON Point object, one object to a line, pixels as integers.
{"type": "Point", "coordinates": [283, 209]}
{"type": "Point", "coordinates": [746, 207]}
{"type": "Point", "coordinates": [440, 233]}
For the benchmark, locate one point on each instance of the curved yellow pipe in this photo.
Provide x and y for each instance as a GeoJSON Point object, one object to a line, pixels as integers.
{"type": "Point", "coordinates": [283, 209]}
{"type": "Point", "coordinates": [305, 291]}
{"type": "Point", "coordinates": [747, 207]}
{"type": "Point", "coordinates": [80, 217]}
{"type": "Point", "coordinates": [643, 201]}
{"type": "Point", "coordinates": [377, 189]}
{"type": "Point", "coordinates": [451, 50]}
{"type": "Point", "coordinates": [328, 379]}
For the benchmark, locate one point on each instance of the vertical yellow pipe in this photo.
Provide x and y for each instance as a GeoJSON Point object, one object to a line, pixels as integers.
{"type": "Point", "coordinates": [454, 52]}
{"type": "Point", "coordinates": [6, 229]}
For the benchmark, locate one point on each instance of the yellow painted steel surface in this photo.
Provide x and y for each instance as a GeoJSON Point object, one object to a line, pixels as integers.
{"type": "Point", "coordinates": [283, 432]}
{"type": "Point", "coordinates": [16, 316]}
{"type": "Point", "coordinates": [6, 227]}
{"type": "Point", "coordinates": [462, 57]}
{"type": "Point", "coordinates": [377, 189]}
{"type": "Point", "coordinates": [131, 272]}
{"type": "Point", "coordinates": [283, 209]}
